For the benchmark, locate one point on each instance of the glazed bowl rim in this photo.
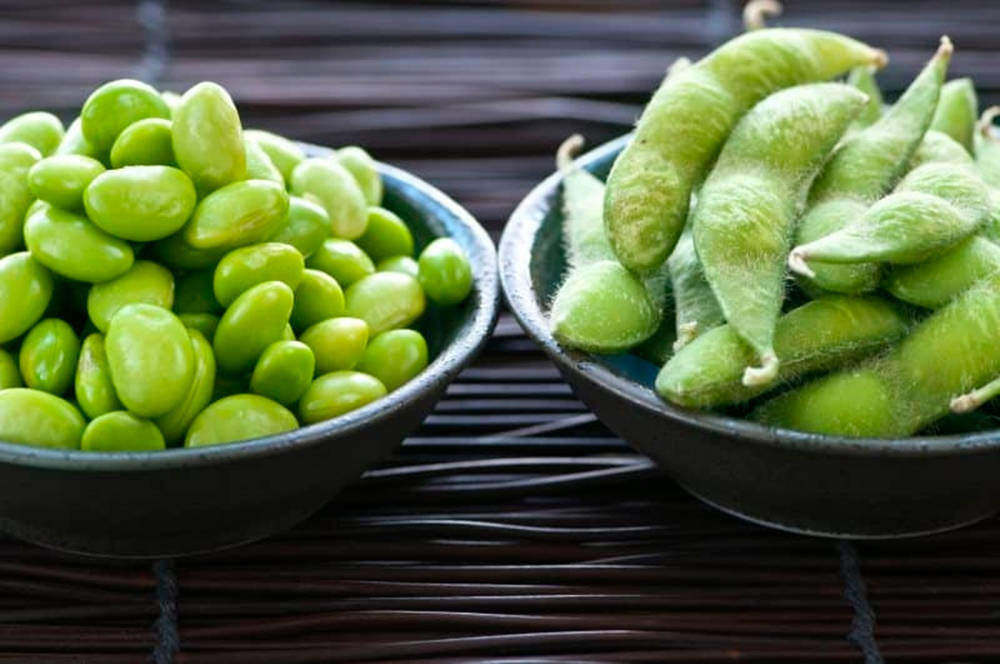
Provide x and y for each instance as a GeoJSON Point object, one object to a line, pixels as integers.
{"type": "Point", "coordinates": [515, 250]}
{"type": "Point", "coordinates": [441, 370]}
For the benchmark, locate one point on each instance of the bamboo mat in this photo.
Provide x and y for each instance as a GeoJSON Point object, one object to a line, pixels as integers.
{"type": "Point", "coordinates": [512, 527]}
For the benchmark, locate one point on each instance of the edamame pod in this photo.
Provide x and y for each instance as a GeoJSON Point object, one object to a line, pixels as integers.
{"type": "Point", "coordinates": [114, 106]}
{"type": "Point", "coordinates": [145, 282]}
{"type": "Point", "coordinates": [239, 417]}
{"type": "Point", "coordinates": [147, 142]}
{"type": "Point", "coordinates": [863, 78]}
{"type": "Point", "coordinates": [25, 292]}
{"type": "Point", "coordinates": [284, 154]}
{"type": "Point", "coordinates": [337, 393]}
{"type": "Point", "coordinates": [16, 161]}
{"type": "Point", "coordinates": [208, 138]}
{"type": "Point", "coordinates": [863, 168]}
{"type": "Point", "coordinates": [696, 309]}
{"type": "Point", "coordinates": [70, 245]}
{"type": "Point", "coordinates": [121, 432]}
{"type": "Point", "coordinates": [236, 215]}
{"type": "Point", "coordinates": [365, 171]}
{"type": "Point", "coordinates": [61, 180]}
{"type": "Point", "coordinates": [765, 168]}
{"type": "Point", "coordinates": [243, 268]}
{"type": "Point", "coordinates": [601, 306]}
{"type": "Point", "coordinates": [93, 388]}
{"type": "Point", "coordinates": [175, 423]}
{"type": "Point", "coordinates": [957, 111]}
{"type": "Point", "coordinates": [255, 320]}
{"type": "Point", "coordinates": [305, 227]}
{"type": "Point", "coordinates": [826, 333]}
{"type": "Point", "coordinates": [331, 185]}
{"type": "Point", "coordinates": [988, 164]}
{"type": "Point", "coordinates": [42, 131]}
{"type": "Point", "coordinates": [690, 116]}
{"type": "Point", "coordinates": [32, 417]}
{"type": "Point", "coordinates": [48, 356]}
{"type": "Point", "coordinates": [150, 384]}
{"type": "Point", "coordinates": [10, 376]}
{"type": "Point", "coordinates": [933, 283]}
{"type": "Point", "coordinates": [140, 203]}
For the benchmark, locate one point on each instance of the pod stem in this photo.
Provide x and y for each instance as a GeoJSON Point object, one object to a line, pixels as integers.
{"type": "Point", "coordinates": [765, 373]}
{"type": "Point", "coordinates": [797, 262]}
{"type": "Point", "coordinates": [756, 12]}
{"type": "Point", "coordinates": [972, 400]}
{"type": "Point", "coordinates": [985, 124]}
{"type": "Point", "coordinates": [686, 333]}
{"type": "Point", "coordinates": [569, 148]}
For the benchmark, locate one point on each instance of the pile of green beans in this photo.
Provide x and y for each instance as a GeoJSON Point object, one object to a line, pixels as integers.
{"type": "Point", "coordinates": [751, 166]}
{"type": "Point", "coordinates": [168, 279]}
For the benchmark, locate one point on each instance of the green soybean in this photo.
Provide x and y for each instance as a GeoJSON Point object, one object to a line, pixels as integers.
{"type": "Point", "coordinates": [246, 267]}
{"type": "Point", "coordinates": [596, 283]}
{"type": "Point", "coordinates": [93, 387]}
{"type": "Point", "coordinates": [195, 294]}
{"type": "Point", "coordinates": [145, 282]}
{"type": "Point", "coordinates": [284, 154]}
{"type": "Point", "coordinates": [207, 324]}
{"type": "Point", "coordinates": [48, 356]}
{"type": "Point", "coordinates": [317, 298]}
{"type": "Point", "coordinates": [140, 203]}
{"type": "Point", "coordinates": [150, 384]}
{"type": "Point", "coordinates": [147, 142]}
{"type": "Point", "coordinates": [121, 432]}
{"type": "Point", "coordinates": [337, 343]}
{"type": "Point", "coordinates": [284, 372]}
{"type": "Point", "coordinates": [385, 300]}
{"type": "Point", "coordinates": [337, 393]}
{"type": "Point", "coordinates": [62, 179]}
{"type": "Point", "coordinates": [259, 165]}
{"type": "Point", "coordinates": [696, 309]}
{"type": "Point", "coordinates": [826, 333]}
{"type": "Point", "coordinates": [387, 235]}
{"type": "Point", "coordinates": [73, 142]}
{"type": "Point", "coordinates": [239, 417]}
{"type": "Point", "coordinates": [16, 160]}
{"type": "Point", "coordinates": [42, 131]}
{"type": "Point", "coordinates": [26, 288]}
{"type": "Point", "coordinates": [177, 254]}
{"type": "Point", "coordinates": [236, 215]}
{"type": "Point", "coordinates": [331, 185]}
{"type": "Point", "coordinates": [343, 260]}
{"type": "Point", "coordinates": [764, 169]}
{"type": "Point", "coordinates": [171, 99]}
{"type": "Point", "coordinates": [32, 417]}
{"type": "Point", "coordinates": [863, 168]}
{"type": "Point", "coordinates": [208, 137]}
{"type": "Point", "coordinates": [305, 227]}
{"type": "Point", "coordinates": [10, 376]}
{"type": "Point", "coordinates": [689, 117]}
{"type": "Point", "coordinates": [71, 246]}
{"type": "Point", "coordinates": [957, 111]}
{"type": "Point", "coordinates": [444, 272]}
{"type": "Point", "coordinates": [365, 171]}
{"type": "Point", "coordinates": [394, 357]}
{"type": "Point", "coordinates": [255, 320]}
{"type": "Point", "coordinates": [114, 106]}
{"type": "Point", "coordinates": [176, 422]}
{"type": "Point", "coordinates": [933, 283]}
{"type": "Point", "coordinates": [404, 264]}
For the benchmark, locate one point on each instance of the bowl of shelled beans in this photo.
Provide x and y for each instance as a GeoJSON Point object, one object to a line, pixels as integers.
{"type": "Point", "coordinates": [206, 332]}
{"type": "Point", "coordinates": [783, 290]}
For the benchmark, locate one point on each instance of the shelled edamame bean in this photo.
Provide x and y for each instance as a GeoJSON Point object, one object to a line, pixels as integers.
{"type": "Point", "coordinates": [171, 258]}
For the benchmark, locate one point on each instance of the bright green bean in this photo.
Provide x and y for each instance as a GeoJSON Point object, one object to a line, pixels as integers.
{"type": "Point", "coordinates": [61, 180]}
{"type": "Point", "coordinates": [387, 235]}
{"type": "Point", "coordinates": [175, 423]}
{"type": "Point", "coordinates": [208, 137]}
{"type": "Point", "coordinates": [305, 227]}
{"type": "Point", "coordinates": [71, 246]}
{"type": "Point", "coordinates": [259, 165]}
{"type": "Point", "coordinates": [73, 142]}
{"type": "Point", "coordinates": [237, 215]}
{"type": "Point", "coordinates": [140, 203]}
{"type": "Point", "coordinates": [284, 154]}
{"type": "Point", "coordinates": [284, 372]}
{"type": "Point", "coordinates": [394, 357]}
{"type": "Point", "coordinates": [243, 268]}
{"type": "Point", "coordinates": [207, 324]}
{"type": "Point", "coordinates": [32, 417]}
{"type": "Point", "coordinates": [145, 282]}
{"type": "Point", "coordinates": [255, 320]}
{"type": "Point", "coordinates": [336, 343]}
{"type": "Point", "coordinates": [239, 417]}
{"type": "Point", "coordinates": [16, 161]}
{"type": "Point", "coordinates": [338, 393]}
{"type": "Point", "coordinates": [121, 432]}
{"type": "Point", "coordinates": [365, 171]}
{"type": "Point", "coordinates": [385, 300]}
{"type": "Point", "coordinates": [93, 387]}
{"type": "Point", "coordinates": [114, 106]}
{"type": "Point", "coordinates": [25, 292]}
{"type": "Point", "coordinates": [317, 298]}
{"type": "Point", "coordinates": [42, 131]}
{"type": "Point", "coordinates": [10, 376]}
{"type": "Point", "coordinates": [403, 264]}
{"type": "Point", "coordinates": [328, 183]}
{"type": "Point", "coordinates": [195, 294]}
{"type": "Point", "coordinates": [147, 142]}
{"type": "Point", "coordinates": [48, 356]}
{"type": "Point", "coordinates": [343, 260]}
{"type": "Point", "coordinates": [444, 272]}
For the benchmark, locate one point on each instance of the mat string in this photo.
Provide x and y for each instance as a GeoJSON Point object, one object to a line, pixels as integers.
{"type": "Point", "coordinates": [167, 636]}
{"type": "Point", "coordinates": [862, 632]}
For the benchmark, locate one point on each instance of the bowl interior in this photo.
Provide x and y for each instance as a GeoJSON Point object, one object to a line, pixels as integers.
{"type": "Point", "coordinates": [532, 265]}
{"type": "Point", "coordinates": [454, 335]}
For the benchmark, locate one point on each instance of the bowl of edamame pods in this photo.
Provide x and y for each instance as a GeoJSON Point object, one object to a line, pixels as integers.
{"type": "Point", "coordinates": [206, 332]}
{"type": "Point", "coordinates": [784, 291]}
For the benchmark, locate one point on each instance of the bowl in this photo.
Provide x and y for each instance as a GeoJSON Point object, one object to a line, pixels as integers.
{"type": "Point", "coordinates": [807, 483]}
{"type": "Point", "coordinates": [182, 501]}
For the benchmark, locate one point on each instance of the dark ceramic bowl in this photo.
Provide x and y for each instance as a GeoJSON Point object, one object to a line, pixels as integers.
{"type": "Point", "coordinates": [820, 485]}
{"type": "Point", "coordinates": [191, 500]}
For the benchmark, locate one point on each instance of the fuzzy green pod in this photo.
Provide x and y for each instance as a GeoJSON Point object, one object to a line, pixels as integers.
{"type": "Point", "coordinates": [42, 131]}
{"type": "Point", "coordinates": [208, 138]}
{"type": "Point", "coordinates": [16, 162]}
{"type": "Point", "coordinates": [863, 78]}
{"type": "Point", "coordinates": [988, 164]}
{"type": "Point", "coordinates": [601, 307]}
{"type": "Point", "coordinates": [957, 111]}
{"type": "Point", "coordinates": [743, 220]}
{"type": "Point", "coordinates": [826, 333]}
{"type": "Point", "coordinates": [862, 170]}
{"type": "Point", "coordinates": [328, 183]}
{"type": "Point", "coordinates": [696, 310]}
{"type": "Point", "coordinates": [933, 208]}
{"type": "Point", "coordinates": [933, 283]}
{"type": "Point", "coordinates": [690, 116]}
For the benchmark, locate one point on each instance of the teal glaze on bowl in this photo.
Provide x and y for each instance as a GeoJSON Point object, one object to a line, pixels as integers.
{"type": "Point", "coordinates": [181, 501]}
{"type": "Point", "coordinates": [821, 485]}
